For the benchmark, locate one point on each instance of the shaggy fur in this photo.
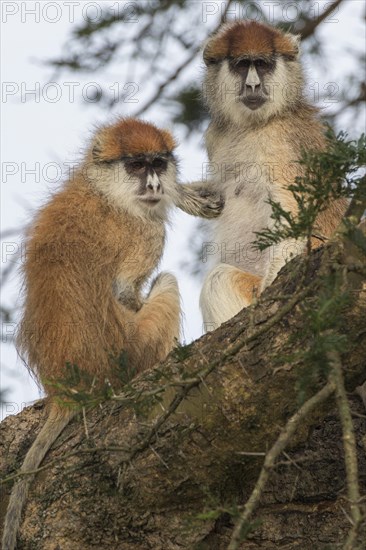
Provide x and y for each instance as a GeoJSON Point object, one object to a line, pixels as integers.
{"type": "Point", "coordinates": [249, 38]}
{"type": "Point", "coordinates": [80, 243]}
{"type": "Point", "coordinates": [91, 237]}
{"type": "Point", "coordinates": [254, 157]}
{"type": "Point", "coordinates": [129, 137]}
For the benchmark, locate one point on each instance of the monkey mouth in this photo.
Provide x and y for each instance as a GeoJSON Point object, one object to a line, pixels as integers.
{"type": "Point", "coordinates": [253, 102]}
{"type": "Point", "coordinates": [151, 201]}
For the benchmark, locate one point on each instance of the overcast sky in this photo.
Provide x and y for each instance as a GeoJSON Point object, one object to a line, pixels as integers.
{"type": "Point", "coordinates": [44, 126]}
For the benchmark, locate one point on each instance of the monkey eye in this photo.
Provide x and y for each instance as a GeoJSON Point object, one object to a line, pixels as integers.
{"type": "Point", "coordinates": [136, 165]}
{"type": "Point", "coordinates": [243, 64]}
{"type": "Point", "coordinates": [263, 64]}
{"type": "Point", "coordinates": [159, 163]}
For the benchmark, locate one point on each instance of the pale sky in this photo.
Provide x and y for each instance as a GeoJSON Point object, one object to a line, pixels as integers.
{"type": "Point", "coordinates": [40, 135]}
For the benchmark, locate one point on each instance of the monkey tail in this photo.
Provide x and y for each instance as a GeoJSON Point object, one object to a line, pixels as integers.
{"type": "Point", "coordinates": [56, 422]}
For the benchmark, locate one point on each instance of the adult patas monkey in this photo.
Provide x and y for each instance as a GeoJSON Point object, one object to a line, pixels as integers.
{"type": "Point", "coordinates": [88, 255]}
{"type": "Point", "coordinates": [260, 121]}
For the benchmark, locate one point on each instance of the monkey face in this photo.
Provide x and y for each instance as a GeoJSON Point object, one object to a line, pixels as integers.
{"type": "Point", "coordinates": [252, 89]}
{"type": "Point", "coordinates": [252, 72]}
{"type": "Point", "coordinates": [142, 184]}
{"type": "Point", "coordinates": [149, 170]}
{"type": "Point", "coordinates": [133, 166]}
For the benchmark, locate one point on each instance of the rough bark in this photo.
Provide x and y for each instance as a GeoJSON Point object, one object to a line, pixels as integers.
{"type": "Point", "coordinates": [91, 497]}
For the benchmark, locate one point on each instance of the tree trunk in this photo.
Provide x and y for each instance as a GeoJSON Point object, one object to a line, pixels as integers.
{"type": "Point", "coordinates": [168, 474]}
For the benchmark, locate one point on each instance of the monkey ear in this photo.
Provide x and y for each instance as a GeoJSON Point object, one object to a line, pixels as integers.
{"type": "Point", "coordinates": [170, 141]}
{"type": "Point", "coordinates": [295, 40]}
{"type": "Point", "coordinates": [96, 148]}
{"type": "Point", "coordinates": [212, 50]}
{"type": "Point", "coordinates": [206, 52]}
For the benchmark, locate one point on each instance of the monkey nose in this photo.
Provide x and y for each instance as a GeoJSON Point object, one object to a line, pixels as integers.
{"type": "Point", "coordinates": [253, 88]}
{"type": "Point", "coordinates": [153, 183]}
{"type": "Point", "coordinates": [152, 187]}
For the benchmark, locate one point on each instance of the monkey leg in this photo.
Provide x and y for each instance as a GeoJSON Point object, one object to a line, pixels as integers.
{"type": "Point", "coordinates": [156, 325]}
{"type": "Point", "coordinates": [226, 290]}
{"type": "Point", "coordinates": [199, 199]}
{"type": "Point", "coordinates": [283, 253]}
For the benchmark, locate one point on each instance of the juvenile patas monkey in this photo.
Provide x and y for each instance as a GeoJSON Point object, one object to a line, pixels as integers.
{"type": "Point", "coordinates": [89, 252]}
{"type": "Point", "coordinates": [260, 121]}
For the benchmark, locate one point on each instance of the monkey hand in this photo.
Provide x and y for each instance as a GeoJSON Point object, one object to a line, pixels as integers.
{"type": "Point", "coordinates": [127, 295]}
{"type": "Point", "coordinates": [212, 203]}
{"type": "Point", "coordinates": [198, 200]}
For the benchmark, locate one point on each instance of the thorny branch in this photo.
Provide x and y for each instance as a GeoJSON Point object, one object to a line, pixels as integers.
{"type": "Point", "coordinates": [185, 387]}
{"type": "Point", "coordinates": [312, 24]}
{"type": "Point", "coordinates": [237, 342]}
{"type": "Point", "coordinates": [230, 351]}
{"type": "Point", "coordinates": [335, 384]}
{"type": "Point", "coordinates": [349, 446]}
{"type": "Point", "coordinates": [63, 459]}
{"type": "Point", "coordinates": [174, 75]}
{"type": "Point", "coordinates": [269, 462]}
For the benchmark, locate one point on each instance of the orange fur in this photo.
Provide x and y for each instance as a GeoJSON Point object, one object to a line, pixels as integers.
{"type": "Point", "coordinates": [76, 249]}
{"type": "Point", "coordinates": [245, 284]}
{"type": "Point", "coordinates": [80, 245]}
{"type": "Point", "coordinates": [270, 137]}
{"type": "Point", "coordinates": [248, 38]}
{"type": "Point", "coordinates": [132, 137]}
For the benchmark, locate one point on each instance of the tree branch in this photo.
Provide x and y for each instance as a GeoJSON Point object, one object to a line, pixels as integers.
{"type": "Point", "coordinates": [313, 24]}
{"type": "Point", "coordinates": [179, 69]}
{"type": "Point", "coordinates": [232, 394]}
{"type": "Point", "coordinates": [349, 446]}
{"type": "Point", "coordinates": [269, 462]}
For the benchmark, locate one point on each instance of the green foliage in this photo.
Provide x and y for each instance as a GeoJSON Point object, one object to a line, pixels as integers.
{"type": "Point", "coordinates": [79, 388]}
{"type": "Point", "coordinates": [209, 515]}
{"type": "Point", "coordinates": [357, 237]}
{"type": "Point", "coordinates": [191, 111]}
{"type": "Point", "coordinates": [180, 353]}
{"type": "Point", "coordinates": [122, 368]}
{"type": "Point", "coordinates": [327, 176]}
{"type": "Point", "coordinates": [322, 332]}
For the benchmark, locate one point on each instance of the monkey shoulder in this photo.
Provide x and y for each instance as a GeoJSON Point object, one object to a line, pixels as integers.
{"type": "Point", "coordinates": [305, 128]}
{"type": "Point", "coordinates": [74, 229]}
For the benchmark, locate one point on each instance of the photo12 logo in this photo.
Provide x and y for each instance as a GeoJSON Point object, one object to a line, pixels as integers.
{"type": "Point", "coordinates": [53, 12]}
{"type": "Point", "coordinates": [268, 11]}
{"type": "Point", "coordinates": [53, 92]}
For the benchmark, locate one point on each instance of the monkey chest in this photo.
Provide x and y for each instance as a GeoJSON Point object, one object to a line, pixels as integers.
{"type": "Point", "coordinates": [141, 252]}
{"type": "Point", "coordinates": [247, 182]}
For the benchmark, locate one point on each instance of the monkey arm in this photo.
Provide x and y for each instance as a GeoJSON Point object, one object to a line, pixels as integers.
{"type": "Point", "coordinates": [200, 199]}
